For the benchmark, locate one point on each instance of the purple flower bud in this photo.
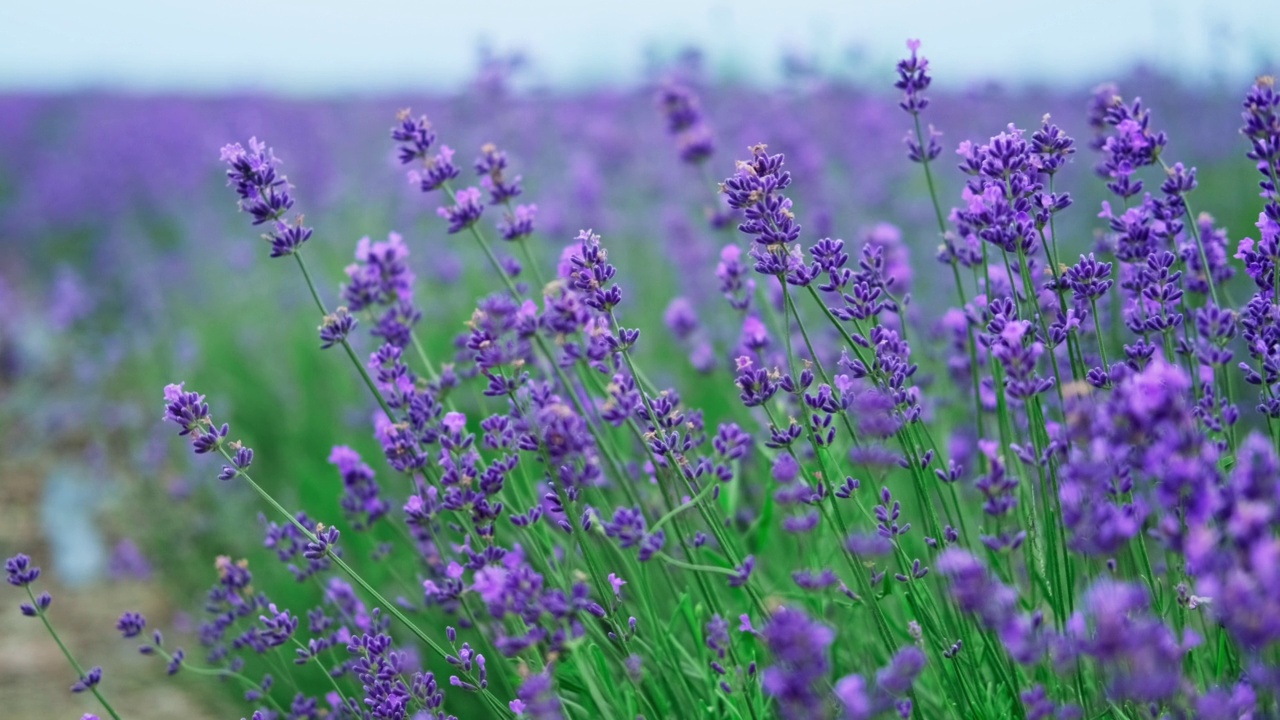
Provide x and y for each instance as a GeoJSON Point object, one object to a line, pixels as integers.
{"type": "Point", "coordinates": [326, 538]}
{"type": "Point", "coordinates": [264, 194]}
{"type": "Point", "coordinates": [336, 327]}
{"type": "Point", "coordinates": [742, 573]}
{"type": "Point", "coordinates": [800, 651]}
{"type": "Point", "coordinates": [19, 570]}
{"type": "Point", "coordinates": [90, 679]}
{"type": "Point", "coordinates": [913, 79]}
{"type": "Point", "coordinates": [465, 211]}
{"type": "Point", "coordinates": [680, 318]}
{"type": "Point", "coordinates": [785, 468]}
{"type": "Point", "coordinates": [131, 624]}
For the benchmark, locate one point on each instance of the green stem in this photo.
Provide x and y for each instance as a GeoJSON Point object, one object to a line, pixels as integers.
{"type": "Point", "coordinates": [221, 673]}
{"type": "Point", "coordinates": [351, 353]}
{"type": "Point", "coordinates": [695, 567]}
{"type": "Point", "coordinates": [1194, 229]}
{"type": "Point", "coordinates": [692, 503]}
{"type": "Point", "coordinates": [67, 653]}
{"type": "Point", "coordinates": [1097, 328]}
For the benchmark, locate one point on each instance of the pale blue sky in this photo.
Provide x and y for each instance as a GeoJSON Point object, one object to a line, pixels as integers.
{"type": "Point", "coordinates": [332, 46]}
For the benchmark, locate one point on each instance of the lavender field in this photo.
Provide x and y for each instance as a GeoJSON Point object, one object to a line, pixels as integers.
{"type": "Point", "coordinates": [683, 399]}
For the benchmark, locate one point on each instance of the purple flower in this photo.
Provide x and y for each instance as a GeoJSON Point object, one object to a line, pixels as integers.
{"type": "Point", "coordinates": [1039, 706]}
{"type": "Point", "coordinates": [537, 699]}
{"type": "Point", "coordinates": [264, 194]}
{"type": "Point", "coordinates": [758, 385]}
{"type": "Point", "coordinates": [591, 274]}
{"type": "Point", "coordinates": [90, 680]}
{"type": "Point", "coordinates": [978, 592]}
{"type": "Point", "coordinates": [685, 122]}
{"type": "Point", "coordinates": [1019, 352]}
{"type": "Point", "coordinates": [19, 570]}
{"type": "Point", "coordinates": [335, 328]}
{"type": "Point", "coordinates": [380, 275]}
{"type": "Point", "coordinates": [756, 189]}
{"type": "Point", "coordinates": [1088, 279]}
{"type": "Point", "coordinates": [43, 601]}
{"type": "Point", "coordinates": [466, 209]}
{"type": "Point", "coordinates": [414, 135]}
{"type": "Point", "coordinates": [416, 139]}
{"type": "Point", "coordinates": [913, 79]}
{"type": "Point", "coordinates": [326, 538]}
{"type": "Point", "coordinates": [742, 573]}
{"type": "Point", "coordinates": [616, 583]}
{"type": "Point", "coordinates": [887, 514]}
{"type": "Point", "coordinates": [681, 319]}
{"type": "Point", "coordinates": [278, 627]}
{"type": "Point", "coordinates": [902, 671]}
{"type": "Point", "coordinates": [1233, 560]}
{"type": "Point", "coordinates": [628, 526]}
{"type": "Point", "coordinates": [735, 285]}
{"type": "Point", "coordinates": [717, 636]}
{"type": "Point", "coordinates": [361, 501]}
{"type": "Point", "coordinates": [799, 647]}
{"type": "Point", "coordinates": [1141, 656]}
{"type": "Point", "coordinates": [755, 336]}
{"type": "Point", "coordinates": [785, 468]}
{"type": "Point", "coordinates": [175, 662]}
{"type": "Point", "coordinates": [868, 545]}
{"type": "Point", "coordinates": [491, 166]}
{"type": "Point", "coordinates": [131, 624]}
{"type": "Point", "coordinates": [189, 411]}
{"type": "Point", "coordinates": [1131, 145]}
{"type": "Point", "coordinates": [652, 544]}
{"type": "Point", "coordinates": [1228, 704]}
{"type": "Point", "coordinates": [851, 691]}
{"type": "Point", "coordinates": [127, 560]}
{"type": "Point", "coordinates": [518, 223]}
{"type": "Point", "coordinates": [1262, 128]}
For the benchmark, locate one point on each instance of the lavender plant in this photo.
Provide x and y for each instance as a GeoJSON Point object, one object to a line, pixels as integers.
{"type": "Point", "coordinates": [1056, 498]}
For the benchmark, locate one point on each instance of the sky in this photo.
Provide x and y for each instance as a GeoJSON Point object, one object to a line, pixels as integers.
{"type": "Point", "coordinates": [334, 47]}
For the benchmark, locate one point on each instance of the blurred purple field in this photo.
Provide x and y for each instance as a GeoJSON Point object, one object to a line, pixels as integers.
{"type": "Point", "coordinates": [107, 202]}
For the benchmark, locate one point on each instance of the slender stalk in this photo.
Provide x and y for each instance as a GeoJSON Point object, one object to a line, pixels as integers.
{"type": "Point", "coordinates": [970, 341]}
{"type": "Point", "coordinates": [1097, 329]}
{"type": "Point", "coordinates": [1194, 229]}
{"type": "Point", "coordinates": [351, 353]}
{"type": "Point", "coordinates": [67, 653]}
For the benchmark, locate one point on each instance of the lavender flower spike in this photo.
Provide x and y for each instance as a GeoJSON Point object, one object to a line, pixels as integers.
{"type": "Point", "coordinates": [264, 194]}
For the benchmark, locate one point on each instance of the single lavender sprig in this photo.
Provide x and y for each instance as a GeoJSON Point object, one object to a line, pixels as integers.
{"type": "Point", "coordinates": [686, 123]}
{"type": "Point", "coordinates": [695, 141]}
{"type": "Point", "coordinates": [20, 572]}
{"type": "Point", "coordinates": [264, 194]}
{"type": "Point", "coordinates": [913, 80]}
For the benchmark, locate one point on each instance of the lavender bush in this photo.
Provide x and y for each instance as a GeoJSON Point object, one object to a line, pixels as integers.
{"type": "Point", "coordinates": [1052, 495]}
